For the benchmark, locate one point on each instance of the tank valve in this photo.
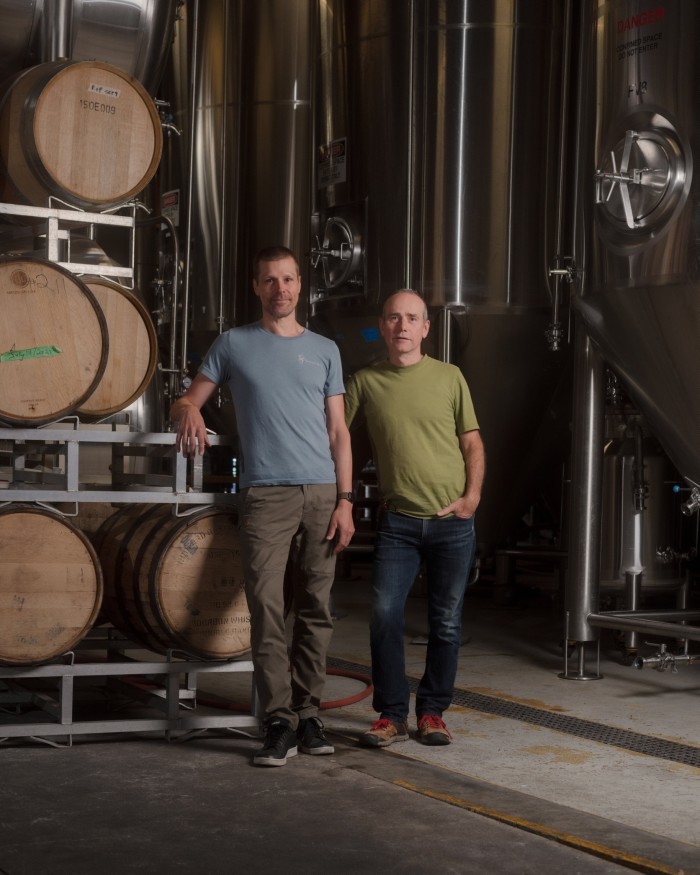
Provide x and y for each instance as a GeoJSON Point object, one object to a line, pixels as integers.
{"type": "Point", "coordinates": [569, 272]}
{"type": "Point", "coordinates": [692, 505]}
{"type": "Point", "coordinates": [167, 119]}
{"type": "Point", "coordinates": [554, 335]}
{"type": "Point", "coordinates": [564, 269]}
{"type": "Point", "coordinates": [667, 555]}
{"type": "Point", "coordinates": [663, 661]}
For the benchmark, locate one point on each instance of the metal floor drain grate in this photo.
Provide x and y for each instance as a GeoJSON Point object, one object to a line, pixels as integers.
{"type": "Point", "coordinates": [622, 738]}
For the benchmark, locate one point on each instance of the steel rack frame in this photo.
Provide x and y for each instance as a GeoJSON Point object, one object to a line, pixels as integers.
{"type": "Point", "coordinates": [61, 220]}
{"type": "Point", "coordinates": [53, 717]}
{"type": "Point", "coordinates": [182, 486]}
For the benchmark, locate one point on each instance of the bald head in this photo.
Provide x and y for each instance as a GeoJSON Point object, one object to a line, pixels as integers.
{"type": "Point", "coordinates": [390, 302]}
{"type": "Point", "coordinates": [404, 325]}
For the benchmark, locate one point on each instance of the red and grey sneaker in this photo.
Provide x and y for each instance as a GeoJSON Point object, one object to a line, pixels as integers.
{"type": "Point", "coordinates": [432, 730]}
{"type": "Point", "coordinates": [384, 732]}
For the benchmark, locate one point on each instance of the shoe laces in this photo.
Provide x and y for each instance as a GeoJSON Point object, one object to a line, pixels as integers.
{"type": "Point", "coordinates": [382, 723]}
{"type": "Point", "coordinates": [432, 721]}
{"type": "Point", "coordinates": [275, 732]}
{"type": "Point", "coordinates": [314, 727]}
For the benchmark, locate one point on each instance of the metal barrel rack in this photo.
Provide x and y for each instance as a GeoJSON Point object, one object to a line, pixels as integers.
{"type": "Point", "coordinates": [41, 465]}
{"type": "Point", "coordinates": [173, 680]}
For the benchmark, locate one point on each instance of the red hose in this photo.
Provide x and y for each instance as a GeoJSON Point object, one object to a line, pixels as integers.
{"type": "Point", "coordinates": [214, 701]}
{"type": "Point", "coordinates": [350, 700]}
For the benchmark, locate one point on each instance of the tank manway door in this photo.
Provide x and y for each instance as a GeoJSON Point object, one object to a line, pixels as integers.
{"type": "Point", "coordinates": [643, 180]}
{"type": "Point", "coordinates": [338, 260]}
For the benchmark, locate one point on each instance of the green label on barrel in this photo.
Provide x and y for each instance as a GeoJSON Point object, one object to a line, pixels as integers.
{"type": "Point", "coordinates": [36, 352]}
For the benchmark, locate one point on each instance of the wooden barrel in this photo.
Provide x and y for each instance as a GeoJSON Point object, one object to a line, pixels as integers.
{"type": "Point", "coordinates": [176, 582]}
{"type": "Point", "coordinates": [50, 585]}
{"type": "Point", "coordinates": [83, 131]}
{"type": "Point", "coordinates": [133, 350]}
{"type": "Point", "coordinates": [53, 342]}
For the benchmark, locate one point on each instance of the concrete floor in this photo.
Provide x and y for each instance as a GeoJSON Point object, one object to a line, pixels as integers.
{"type": "Point", "coordinates": [514, 793]}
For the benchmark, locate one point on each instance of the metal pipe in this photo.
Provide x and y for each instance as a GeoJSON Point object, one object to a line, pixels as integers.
{"type": "Point", "coordinates": [57, 30]}
{"type": "Point", "coordinates": [513, 156]}
{"type": "Point", "coordinates": [649, 627]}
{"type": "Point", "coordinates": [659, 614]}
{"type": "Point", "coordinates": [682, 601]}
{"type": "Point", "coordinates": [632, 545]}
{"type": "Point", "coordinates": [234, 217]}
{"type": "Point", "coordinates": [579, 203]}
{"type": "Point", "coordinates": [563, 124]}
{"type": "Point", "coordinates": [583, 584]}
{"type": "Point", "coordinates": [633, 594]}
{"type": "Point", "coordinates": [172, 368]}
{"type": "Point", "coordinates": [580, 674]}
{"type": "Point", "coordinates": [640, 487]}
{"type": "Point", "coordinates": [223, 230]}
{"type": "Point", "coordinates": [195, 69]}
{"type": "Point", "coordinates": [444, 335]}
{"type": "Point", "coordinates": [408, 281]}
{"type": "Point", "coordinates": [665, 660]}
{"type": "Point", "coordinates": [554, 331]}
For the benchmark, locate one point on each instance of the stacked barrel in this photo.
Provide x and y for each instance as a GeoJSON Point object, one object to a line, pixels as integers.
{"type": "Point", "coordinates": [83, 136]}
{"type": "Point", "coordinates": [87, 135]}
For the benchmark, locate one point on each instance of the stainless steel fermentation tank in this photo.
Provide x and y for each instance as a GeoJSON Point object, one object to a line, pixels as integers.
{"type": "Point", "coordinates": [639, 301]}
{"type": "Point", "coordinates": [423, 141]}
{"type": "Point", "coordinates": [642, 299]}
{"type": "Point", "coordinates": [240, 87]}
{"type": "Point", "coordinates": [433, 145]}
{"type": "Point", "coordinates": [134, 35]}
{"type": "Point", "coordinates": [440, 165]}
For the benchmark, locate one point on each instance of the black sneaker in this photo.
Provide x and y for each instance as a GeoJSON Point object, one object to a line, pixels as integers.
{"type": "Point", "coordinates": [311, 738]}
{"type": "Point", "coordinates": [280, 743]}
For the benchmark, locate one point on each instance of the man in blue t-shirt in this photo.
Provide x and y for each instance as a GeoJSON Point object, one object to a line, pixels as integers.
{"type": "Point", "coordinates": [295, 474]}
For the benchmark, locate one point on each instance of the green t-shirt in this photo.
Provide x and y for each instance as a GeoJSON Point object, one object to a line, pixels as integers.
{"type": "Point", "coordinates": [414, 416]}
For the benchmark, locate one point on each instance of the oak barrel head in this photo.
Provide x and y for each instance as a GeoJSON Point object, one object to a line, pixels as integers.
{"type": "Point", "coordinates": [50, 585]}
{"type": "Point", "coordinates": [53, 342]}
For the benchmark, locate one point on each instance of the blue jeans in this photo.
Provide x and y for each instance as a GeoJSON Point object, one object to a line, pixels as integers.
{"type": "Point", "coordinates": [446, 547]}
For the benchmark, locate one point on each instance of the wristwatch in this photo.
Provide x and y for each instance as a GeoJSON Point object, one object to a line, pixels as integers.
{"type": "Point", "coordinates": [348, 496]}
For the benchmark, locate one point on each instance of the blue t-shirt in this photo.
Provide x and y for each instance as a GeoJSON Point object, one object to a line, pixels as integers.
{"type": "Point", "coordinates": [279, 387]}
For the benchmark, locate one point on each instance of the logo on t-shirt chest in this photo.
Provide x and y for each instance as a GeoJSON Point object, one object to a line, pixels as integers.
{"type": "Point", "coordinates": [303, 361]}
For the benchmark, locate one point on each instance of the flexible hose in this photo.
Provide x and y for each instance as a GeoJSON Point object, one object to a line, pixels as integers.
{"type": "Point", "coordinates": [213, 701]}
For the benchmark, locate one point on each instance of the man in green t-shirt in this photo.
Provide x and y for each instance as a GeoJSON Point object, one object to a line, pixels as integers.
{"type": "Point", "coordinates": [430, 464]}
